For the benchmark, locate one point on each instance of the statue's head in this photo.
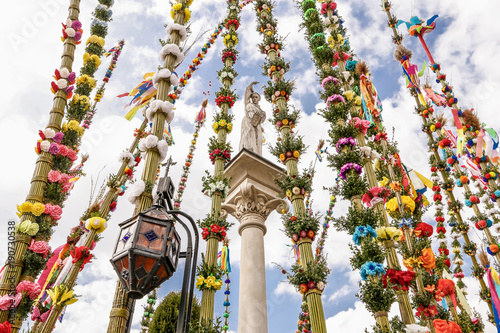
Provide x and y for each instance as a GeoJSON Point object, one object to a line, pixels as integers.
{"type": "Point", "coordinates": [255, 98]}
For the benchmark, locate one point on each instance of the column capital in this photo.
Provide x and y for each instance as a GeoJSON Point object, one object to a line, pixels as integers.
{"type": "Point", "coordinates": [248, 200]}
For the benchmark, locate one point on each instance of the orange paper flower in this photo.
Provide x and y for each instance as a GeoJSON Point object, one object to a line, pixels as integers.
{"type": "Point", "coordinates": [443, 326]}
{"type": "Point", "coordinates": [428, 259]}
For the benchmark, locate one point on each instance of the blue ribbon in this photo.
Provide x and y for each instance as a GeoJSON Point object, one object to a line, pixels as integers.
{"type": "Point", "coordinates": [406, 222]}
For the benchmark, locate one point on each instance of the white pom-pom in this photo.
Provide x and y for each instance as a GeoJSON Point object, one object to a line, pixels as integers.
{"type": "Point", "coordinates": [179, 28]}
{"type": "Point", "coordinates": [126, 156]}
{"type": "Point", "coordinates": [162, 149]}
{"type": "Point", "coordinates": [174, 80]}
{"type": "Point", "coordinates": [64, 72]}
{"type": "Point", "coordinates": [70, 32]}
{"type": "Point", "coordinates": [151, 141]}
{"type": "Point", "coordinates": [161, 74]}
{"type": "Point", "coordinates": [62, 83]}
{"type": "Point", "coordinates": [45, 145]}
{"type": "Point", "coordinates": [69, 23]}
{"type": "Point", "coordinates": [161, 106]}
{"type": "Point", "coordinates": [142, 144]}
{"type": "Point", "coordinates": [174, 50]}
{"type": "Point", "coordinates": [136, 190]}
{"type": "Point", "coordinates": [49, 133]}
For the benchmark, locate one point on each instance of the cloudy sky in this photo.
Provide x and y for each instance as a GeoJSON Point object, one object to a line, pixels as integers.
{"type": "Point", "coordinates": [463, 43]}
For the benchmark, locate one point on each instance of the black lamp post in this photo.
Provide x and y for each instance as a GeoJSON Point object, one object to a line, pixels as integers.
{"type": "Point", "coordinates": [148, 249]}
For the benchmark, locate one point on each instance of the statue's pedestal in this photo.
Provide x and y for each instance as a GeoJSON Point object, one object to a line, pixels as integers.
{"type": "Point", "coordinates": [252, 197]}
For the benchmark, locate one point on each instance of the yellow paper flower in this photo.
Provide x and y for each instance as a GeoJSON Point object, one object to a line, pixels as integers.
{"type": "Point", "coordinates": [285, 121]}
{"type": "Point", "coordinates": [209, 281]}
{"type": "Point", "coordinates": [230, 127]}
{"type": "Point", "coordinates": [381, 233]}
{"type": "Point", "coordinates": [187, 15]}
{"type": "Point", "coordinates": [358, 100]}
{"type": "Point", "coordinates": [97, 223]}
{"type": "Point", "coordinates": [408, 203]}
{"type": "Point", "coordinates": [177, 6]}
{"type": "Point", "coordinates": [282, 157]}
{"type": "Point", "coordinates": [95, 59]}
{"type": "Point", "coordinates": [200, 280]}
{"type": "Point", "coordinates": [38, 209]}
{"type": "Point", "coordinates": [394, 233]}
{"type": "Point", "coordinates": [349, 95]}
{"type": "Point", "coordinates": [384, 181]}
{"type": "Point", "coordinates": [86, 58]}
{"type": "Point", "coordinates": [100, 41]}
{"type": "Point", "coordinates": [73, 125]}
{"type": "Point", "coordinates": [28, 227]}
{"type": "Point", "coordinates": [26, 207]}
{"type": "Point", "coordinates": [218, 284]}
{"type": "Point", "coordinates": [193, 142]}
{"type": "Point", "coordinates": [288, 193]}
{"type": "Point", "coordinates": [296, 154]}
{"type": "Point", "coordinates": [189, 3]}
{"type": "Point", "coordinates": [392, 204]}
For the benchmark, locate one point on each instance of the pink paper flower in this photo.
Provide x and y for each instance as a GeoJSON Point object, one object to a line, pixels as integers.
{"type": "Point", "coordinates": [35, 315]}
{"type": "Point", "coordinates": [64, 178]}
{"type": "Point", "coordinates": [72, 155]}
{"type": "Point", "coordinates": [63, 150]}
{"type": "Point", "coordinates": [32, 289]}
{"type": "Point", "coordinates": [54, 176]}
{"type": "Point", "coordinates": [5, 301]}
{"type": "Point", "coordinates": [40, 247]}
{"type": "Point", "coordinates": [58, 137]}
{"type": "Point", "coordinates": [54, 148]}
{"type": "Point", "coordinates": [66, 187]}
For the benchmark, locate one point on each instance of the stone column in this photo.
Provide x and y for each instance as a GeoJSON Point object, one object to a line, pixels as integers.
{"type": "Point", "coordinates": [253, 299]}
{"type": "Point", "coordinates": [253, 196]}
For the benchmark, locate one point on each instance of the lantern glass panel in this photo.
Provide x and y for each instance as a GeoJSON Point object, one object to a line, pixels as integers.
{"type": "Point", "coordinates": [126, 237]}
{"type": "Point", "coordinates": [151, 236]}
{"type": "Point", "coordinates": [159, 214]}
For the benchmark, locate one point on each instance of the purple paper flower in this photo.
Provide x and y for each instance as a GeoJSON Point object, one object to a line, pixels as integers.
{"type": "Point", "coordinates": [345, 142]}
{"type": "Point", "coordinates": [58, 137]}
{"type": "Point", "coordinates": [329, 79]}
{"type": "Point", "coordinates": [76, 25]}
{"type": "Point", "coordinates": [54, 148]}
{"type": "Point", "coordinates": [335, 98]}
{"type": "Point", "coordinates": [69, 90]}
{"type": "Point", "coordinates": [78, 36]}
{"type": "Point", "coordinates": [348, 167]}
{"type": "Point", "coordinates": [71, 76]}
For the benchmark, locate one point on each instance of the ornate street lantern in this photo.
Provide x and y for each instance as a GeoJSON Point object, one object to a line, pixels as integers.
{"type": "Point", "coordinates": [147, 251]}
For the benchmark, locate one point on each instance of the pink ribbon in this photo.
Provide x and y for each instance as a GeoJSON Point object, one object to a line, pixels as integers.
{"type": "Point", "coordinates": [493, 290]}
{"type": "Point", "coordinates": [458, 123]}
{"type": "Point", "coordinates": [479, 144]}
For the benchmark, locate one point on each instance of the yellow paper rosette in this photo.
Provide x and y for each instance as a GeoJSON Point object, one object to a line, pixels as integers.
{"type": "Point", "coordinates": [210, 281]}
{"type": "Point", "coordinates": [389, 233]}
{"type": "Point", "coordinates": [38, 209]}
{"type": "Point", "coordinates": [223, 122]}
{"type": "Point", "coordinates": [97, 223]}
{"type": "Point", "coordinates": [349, 94]}
{"type": "Point", "coordinates": [358, 100]}
{"type": "Point", "coordinates": [230, 127]}
{"type": "Point", "coordinates": [177, 6]}
{"type": "Point", "coordinates": [25, 207]}
{"type": "Point", "coordinates": [200, 280]}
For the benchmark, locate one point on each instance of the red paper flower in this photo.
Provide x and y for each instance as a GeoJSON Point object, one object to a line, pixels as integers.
{"type": "Point", "coordinates": [81, 253]}
{"type": "Point", "coordinates": [423, 230]}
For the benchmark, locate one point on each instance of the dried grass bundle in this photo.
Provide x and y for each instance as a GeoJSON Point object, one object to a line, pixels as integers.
{"type": "Point", "coordinates": [362, 68]}
{"type": "Point", "coordinates": [472, 119]}
{"type": "Point", "coordinates": [402, 51]}
{"type": "Point", "coordinates": [483, 257]}
{"type": "Point", "coordinates": [440, 118]}
{"type": "Point", "coordinates": [321, 144]}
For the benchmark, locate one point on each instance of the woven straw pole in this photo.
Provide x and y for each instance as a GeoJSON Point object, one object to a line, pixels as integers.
{"type": "Point", "coordinates": [122, 305]}
{"type": "Point", "coordinates": [43, 164]}
{"type": "Point", "coordinates": [382, 320]}
{"type": "Point", "coordinates": [48, 326]}
{"type": "Point", "coordinates": [208, 295]}
{"type": "Point", "coordinates": [315, 305]}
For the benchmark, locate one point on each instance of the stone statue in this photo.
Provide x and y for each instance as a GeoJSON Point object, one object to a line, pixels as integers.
{"type": "Point", "coordinates": [251, 129]}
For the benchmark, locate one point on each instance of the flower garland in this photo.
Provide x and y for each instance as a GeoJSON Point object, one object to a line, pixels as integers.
{"type": "Point", "coordinates": [148, 311]}
{"type": "Point", "coordinates": [216, 185]}
{"type": "Point", "coordinates": [200, 120]}
{"type": "Point", "coordinates": [64, 81]}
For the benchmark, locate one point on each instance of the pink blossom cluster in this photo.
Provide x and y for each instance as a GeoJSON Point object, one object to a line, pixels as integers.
{"type": "Point", "coordinates": [55, 176]}
{"type": "Point", "coordinates": [32, 289]}
{"type": "Point", "coordinates": [55, 211]}
{"type": "Point", "coordinates": [5, 301]}
{"type": "Point", "coordinates": [40, 247]}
